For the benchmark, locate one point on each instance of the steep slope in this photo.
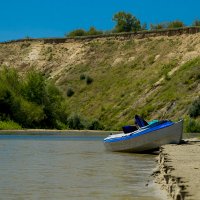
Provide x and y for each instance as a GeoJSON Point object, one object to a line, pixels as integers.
{"type": "Point", "coordinates": [155, 77]}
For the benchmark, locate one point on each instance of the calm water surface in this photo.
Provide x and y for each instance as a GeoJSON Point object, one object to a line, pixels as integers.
{"type": "Point", "coordinates": [49, 167]}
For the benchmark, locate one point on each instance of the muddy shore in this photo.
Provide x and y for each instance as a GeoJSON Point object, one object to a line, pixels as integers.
{"type": "Point", "coordinates": [178, 170]}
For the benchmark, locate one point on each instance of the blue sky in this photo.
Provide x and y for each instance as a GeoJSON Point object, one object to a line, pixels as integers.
{"type": "Point", "coordinates": [54, 18]}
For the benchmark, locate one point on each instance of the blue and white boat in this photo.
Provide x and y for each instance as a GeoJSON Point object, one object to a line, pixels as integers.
{"type": "Point", "coordinates": [147, 137]}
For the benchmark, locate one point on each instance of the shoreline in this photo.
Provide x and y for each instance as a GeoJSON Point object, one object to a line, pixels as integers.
{"type": "Point", "coordinates": [50, 132]}
{"type": "Point", "coordinates": [178, 170]}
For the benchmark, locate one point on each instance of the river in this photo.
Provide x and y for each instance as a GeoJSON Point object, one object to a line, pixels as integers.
{"type": "Point", "coordinates": [72, 168]}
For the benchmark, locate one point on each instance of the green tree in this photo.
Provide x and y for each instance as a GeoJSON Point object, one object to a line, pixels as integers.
{"type": "Point", "coordinates": [126, 22]}
{"type": "Point", "coordinates": [34, 87]}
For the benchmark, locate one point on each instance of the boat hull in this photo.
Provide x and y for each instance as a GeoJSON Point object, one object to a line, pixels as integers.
{"type": "Point", "coordinates": [148, 141]}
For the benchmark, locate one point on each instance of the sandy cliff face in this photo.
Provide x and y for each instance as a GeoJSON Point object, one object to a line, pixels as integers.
{"type": "Point", "coordinates": [129, 75]}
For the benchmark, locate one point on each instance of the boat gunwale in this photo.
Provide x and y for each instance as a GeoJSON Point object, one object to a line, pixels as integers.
{"type": "Point", "coordinates": [138, 133]}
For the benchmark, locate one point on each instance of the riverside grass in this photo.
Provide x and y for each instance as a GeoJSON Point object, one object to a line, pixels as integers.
{"type": "Point", "coordinates": [153, 77]}
{"type": "Point", "coordinates": [9, 125]}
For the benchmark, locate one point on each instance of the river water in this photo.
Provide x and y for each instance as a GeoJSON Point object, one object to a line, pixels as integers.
{"type": "Point", "coordinates": [72, 168]}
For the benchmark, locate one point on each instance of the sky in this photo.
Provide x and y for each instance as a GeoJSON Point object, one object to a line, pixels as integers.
{"type": "Point", "coordinates": [55, 18]}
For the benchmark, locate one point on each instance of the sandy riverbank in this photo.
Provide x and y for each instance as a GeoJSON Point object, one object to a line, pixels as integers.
{"type": "Point", "coordinates": [178, 170]}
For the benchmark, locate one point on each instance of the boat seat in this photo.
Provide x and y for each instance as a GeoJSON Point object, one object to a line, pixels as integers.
{"type": "Point", "coordinates": [129, 128]}
{"type": "Point", "coordinates": [140, 122]}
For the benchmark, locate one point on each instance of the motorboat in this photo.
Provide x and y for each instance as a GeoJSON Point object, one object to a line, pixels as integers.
{"type": "Point", "coordinates": [147, 137]}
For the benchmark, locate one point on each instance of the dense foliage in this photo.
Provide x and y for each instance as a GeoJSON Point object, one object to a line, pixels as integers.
{"type": "Point", "coordinates": [34, 102]}
{"type": "Point", "coordinates": [126, 22]}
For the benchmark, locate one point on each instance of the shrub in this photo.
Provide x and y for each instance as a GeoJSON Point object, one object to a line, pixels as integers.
{"type": "Point", "coordinates": [82, 77]}
{"type": "Point", "coordinates": [95, 125]}
{"type": "Point", "coordinates": [93, 31]}
{"type": "Point", "coordinates": [78, 32]}
{"type": "Point", "coordinates": [9, 125]}
{"type": "Point", "coordinates": [75, 122]}
{"type": "Point", "coordinates": [70, 92]}
{"type": "Point", "coordinates": [194, 110]}
{"type": "Point", "coordinates": [192, 126]}
{"type": "Point", "coordinates": [175, 24]}
{"type": "Point", "coordinates": [163, 25]}
{"type": "Point", "coordinates": [89, 80]}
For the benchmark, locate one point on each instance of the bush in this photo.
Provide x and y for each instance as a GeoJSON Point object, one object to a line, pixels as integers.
{"type": "Point", "coordinates": [95, 125]}
{"type": "Point", "coordinates": [175, 24]}
{"type": "Point", "coordinates": [192, 126]}
{"type": "Point", "coordinates": [82, 32]}
{"type": "Point", "coordinates": [163, 25]}
{"type": "Point", "coordinates": [9, 125]}
{"type": "Point", "coordinates": [89, 80]}
{"type": "Point", "coordinates": [93, 31]}
{"type": "Point", "coordinates": [82, 77]}
{"type": "Point", "coordinates": [70, 92]}
{"type": "Point", "coordinates": [75, 122]}
{"type": "Point", "coordinates": [78, 32]}
{"type": "Point", "coordinates": [194, 110]}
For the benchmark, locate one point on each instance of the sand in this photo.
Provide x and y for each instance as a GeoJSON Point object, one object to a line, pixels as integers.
{"type": "Point", "coordinates": [178, 170]}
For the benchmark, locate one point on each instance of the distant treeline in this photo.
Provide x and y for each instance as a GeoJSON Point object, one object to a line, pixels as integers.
{"type": "Point", "coordinates": [126, 22]}
{"type": "Point", "coordinates": [32, 101]}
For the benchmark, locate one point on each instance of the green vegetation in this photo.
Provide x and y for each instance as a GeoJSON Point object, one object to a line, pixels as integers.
{"type": "Point", "coordinates": [32, 101]}
{"type": "Point", "coordinates": [9, 125]}
{"type": "Point", "coordinates": [70, 92]}
{"type": "Point", "coordinates": [175, 24]}
{"type": "Point", "coordinates": [167, 25]}
{"type": "Point", "coordinates": [89, 80]}
{"type": "Point", "coordinates": [126, 85]}
{"type": "Point", "coordinates": [126, 22]}
{"type": "Point", "coordinates": [194, 110]}
{"type": "Point", "coordinates": [192, 126]}
{"type": "Point", "coordinates": [82, 32]}
{"type": "Point", "coordinates": [193, 122]}
{"type": "Point", "coordinates": [103, 82]}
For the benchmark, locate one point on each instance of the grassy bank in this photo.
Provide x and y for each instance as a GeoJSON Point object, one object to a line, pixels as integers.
{"type": "Point", "coordinates": [110, 80]}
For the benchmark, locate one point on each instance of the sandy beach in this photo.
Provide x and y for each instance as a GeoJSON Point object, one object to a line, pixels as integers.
{"type": "Point", "coordinates": [178, 170]}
